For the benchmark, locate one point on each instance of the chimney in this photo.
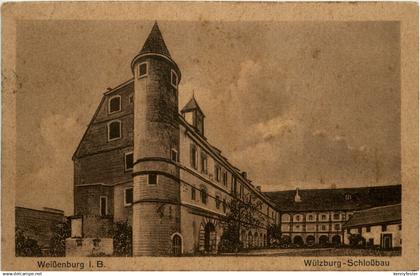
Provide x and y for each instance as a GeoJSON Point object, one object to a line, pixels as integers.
{"type": "Point", "coordinates": [244, 175]}
{"type": "Point", "coordinates": [297, 196]}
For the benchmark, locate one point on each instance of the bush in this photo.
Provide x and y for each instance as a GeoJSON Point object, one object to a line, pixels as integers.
{"type": "Point", "coordinates": [58, 241]}
{"type": "Point", "coordinates": [123, 239]}
{"type": "Point", "coordinates": [26, 247]}
{"type": "Point", "coordinates": [357, 241]}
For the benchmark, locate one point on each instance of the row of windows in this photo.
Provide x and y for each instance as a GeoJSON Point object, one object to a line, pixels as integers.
{"type": "Point", "coordinates": [322, 227]}
{"type": "Point", "coordinates": [114, 103]}
{"type": "Point", "coordinates": [143, 71]}
{"type": "Point", "coordinates": [220, 175]}
{"type": "Point", "coordinates": [204, 197]}
{"type": "Point", "coordinates": [322, 217]}
{"type": "Point", "coordinates": [384, 228]}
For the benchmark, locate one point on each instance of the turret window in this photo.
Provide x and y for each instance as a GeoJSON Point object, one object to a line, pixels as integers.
{"type": "Point", "coordinates": [174, 79]}
{"type": "Point", "coordinates": [114, 104]}
{"type": "Point", "coordinates": [152, 179]}
{"type": "Point", "coordinates": [143, 70]}
{"type": "Point", "coordinates": [114, 130]}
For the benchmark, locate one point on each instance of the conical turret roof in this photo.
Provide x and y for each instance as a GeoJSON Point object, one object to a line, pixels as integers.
{"type": "Point", "coordinates": [192, 105]}
{"type": "Point", "coordinates": [155, 43]}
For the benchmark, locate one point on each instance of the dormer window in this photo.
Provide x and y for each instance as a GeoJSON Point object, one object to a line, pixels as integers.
{"type": "Point", "coordinates": [114, 104]}
{"type": "Point", "coordinates": [114, 130]}
{"type": "Point", "coordinates": [347, 196]}
{"type": "Point", "coordinates": [174, 79]}
{"type": "Point", "coordinates": [143, 70]}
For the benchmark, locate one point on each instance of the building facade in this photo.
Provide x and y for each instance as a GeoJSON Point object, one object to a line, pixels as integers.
{"type": "Point", "coordinates": [378, 227]}
{"type": "Point", "coordinates": [143, 161]}
{"type": "Point", "coordinates": [317, 216]}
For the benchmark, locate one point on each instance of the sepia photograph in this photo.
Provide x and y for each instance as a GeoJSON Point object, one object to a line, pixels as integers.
{"type": "Point", "coordinates": [221, 137]}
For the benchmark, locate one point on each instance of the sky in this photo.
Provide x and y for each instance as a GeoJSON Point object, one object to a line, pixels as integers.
{"type": "Point", "coordinates": [295, 104]}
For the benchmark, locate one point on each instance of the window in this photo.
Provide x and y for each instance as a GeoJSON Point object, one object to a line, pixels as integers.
{"type": "Point", "coordinates": [203, 163]}
{"type": "Point", "coordinates": [114, 130]}
{"type": "Point", "coordinates": [324, 217]}
{"type": "Point", "coordinates": [143, 69]}
{"type": "Point", "coordinates": [174, 155]}
{"type": "Point", "coordinates": [218, 202]}
{"type": "Point", "coordinates": [128, 196]}
{"type": "Point", "coordinates": [193, 193]}
{"type": "Point", "coordinates": [347, 196]}
{"type": "Point", "coordinates": [233, 184]}
{"type": "Point", "coordinates": [297, 218]}
{"type": "Point", "coordinates": [203, 194]}
{"type": "Point", "coordinates": [337, 227]}
{"type": "Point", "coordinates": [103, 208]}
{"type": "Point", "coordinates": [336, 216]}
{"type": "Point", "coordinates": [384, 228]}
{"type": "Point", "coordinates": [193, 156]}
{"type": "Point", "coordinates": [174, 79]}
{"type": "Point", "coordinates": [128, 158]}
{"type": "Point", "coordinates": [224, 205]}
{"type": "Point", "coordinates": [130, 99]}
{"type": "Point", "coordinates": [152, 179]}
{"type": "Point", "coordinates": [217, 172]}
{"type": "Point", "coordinates": [310, 217]}
{"type": "Point", "coordinates": [323, 227]}
{"type": "Point", "coordinates": [114, 104]}
{"type": "Point", "coordinates": [367, 228]}
{"type": "Point", "coordinates": [225, 178]}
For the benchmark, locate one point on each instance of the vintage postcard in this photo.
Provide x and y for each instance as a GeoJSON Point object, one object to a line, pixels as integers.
{"type": "Point", "coordinates": [209, 136]}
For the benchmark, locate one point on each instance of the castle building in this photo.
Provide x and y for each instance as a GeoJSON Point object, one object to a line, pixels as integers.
{"type": "Point", "coordinates": [143, 161]}
{"type": "Point", "coordinates": [318, 216]}
{"type": "Point", "coordinates": [378, 227]}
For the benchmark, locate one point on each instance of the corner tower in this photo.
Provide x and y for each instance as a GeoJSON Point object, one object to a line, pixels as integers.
{"type": "Point", "coordinates": [156, 202]}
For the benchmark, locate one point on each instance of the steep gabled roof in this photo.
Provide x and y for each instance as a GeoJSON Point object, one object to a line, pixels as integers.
{"type": "Point", "coordinates": [335, 199]}
{"type": "Point", "coordinates": [192, 105]}
{"type": "Point", "coordinates": [155, 43]}
{"type": "Point", "coordinates": [375, 216]}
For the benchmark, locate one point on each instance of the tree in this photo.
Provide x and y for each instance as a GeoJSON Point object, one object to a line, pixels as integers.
{"type": "Point", "coordinates": [122, 239]}
{"type": "Point", "coordinates": [61, 232]}
{"type": "Point", "coordinates": [241, 215]}
{"type": "Point", "coordinates": [273, 234]}
{"type": "Point", "coordinates": [25, 246]}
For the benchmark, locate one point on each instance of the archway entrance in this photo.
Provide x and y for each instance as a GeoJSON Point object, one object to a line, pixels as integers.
{"type": "Point", "coordinates": [336, 240]}
{"type": "Point", "coordinates": [310, 240]}
{"type": "Point", "coordinates": [323, 241]}
{"type": "Point", "coordinates": [298, 241]}
{"type": "Point", "coordinates": [250, 240]}
{"type": "Point", "coordinates": [209, 238]}
{"type": "Point", "coordinates": [256, 239]}
{"type": "Point", "coordinates": [176, 245]}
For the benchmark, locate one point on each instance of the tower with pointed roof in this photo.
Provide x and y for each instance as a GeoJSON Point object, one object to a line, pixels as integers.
{"type": "Point", "coordinates": [194, 115]}
{"type": "Point", "coordinates": [156, 213]}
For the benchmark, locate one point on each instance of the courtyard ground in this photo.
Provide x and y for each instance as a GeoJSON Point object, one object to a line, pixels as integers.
{"type": "Point", "coordinates": [318, 252]}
